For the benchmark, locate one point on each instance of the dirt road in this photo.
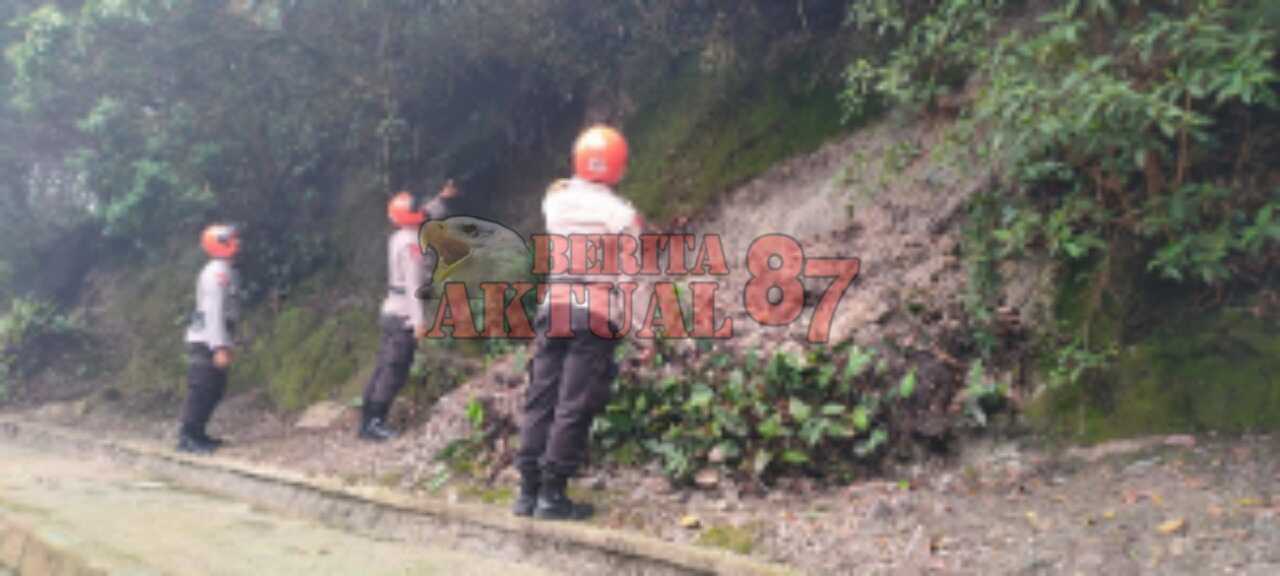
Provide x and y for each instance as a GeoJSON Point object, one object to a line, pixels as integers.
{"type": "Point", "coordinates": [119, 521]}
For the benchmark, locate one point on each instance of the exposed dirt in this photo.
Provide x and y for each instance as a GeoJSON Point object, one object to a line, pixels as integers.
{"type": "Point", "coordinates": [1168, 505]}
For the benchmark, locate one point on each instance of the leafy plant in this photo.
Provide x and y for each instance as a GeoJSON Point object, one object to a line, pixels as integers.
{"type": "Point", "coordinates": [1073, 362]}
{"type": "Point", "coordinates": [813, 412]}
{"type": "Point", "coordinates": [476, 414]}
{"type": "Point", "coordinates": [1132, 126]}
{"type": "Point", "coordinates": [937, 45]}
{"type": "Point", "coordinates": [29, 330]}
{"type": "Point", "coordinates": [1122, 120]}
{"type": "Point", "coordinates": [982, 394]}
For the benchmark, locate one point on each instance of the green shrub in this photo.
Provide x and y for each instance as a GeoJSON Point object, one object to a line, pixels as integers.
{"type": "Point", "coordinates": [29, 330]}
{"type": "Point", "coordinates": [821, 412]}
{"type": "Point", "coordinates": [1111, 126]}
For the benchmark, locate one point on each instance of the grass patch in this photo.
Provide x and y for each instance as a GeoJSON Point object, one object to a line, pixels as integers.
{"type": "Point", "coordinates": [487, 494]}
{"type": "Point", "coordinates": [303, 357]}
{"type": "Point", "coordinates": [736, 539]}
{"type": "Point", "coordinates": [155, 303]}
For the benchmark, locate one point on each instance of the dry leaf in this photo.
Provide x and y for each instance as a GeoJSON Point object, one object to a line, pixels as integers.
{"type": "Point", "coordinates": [690, 522]}
{"type": "Point", "coordinates": [1175, 526]}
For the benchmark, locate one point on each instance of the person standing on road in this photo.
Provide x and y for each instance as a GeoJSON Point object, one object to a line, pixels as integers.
{"type": "Point", "coordinates": [402, 320]}
{"type": "Point", "coordinates": [209, 338]}
{"type": "Point", "coordinates": [570, 378]}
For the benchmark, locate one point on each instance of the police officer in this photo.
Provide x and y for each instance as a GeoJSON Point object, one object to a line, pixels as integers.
{"type": "Point", "coordinates": [570, 378]}
{"type": "Point", "coordinates": [402, 320]}
{"type": "Point", "coordinates": [209, 337]}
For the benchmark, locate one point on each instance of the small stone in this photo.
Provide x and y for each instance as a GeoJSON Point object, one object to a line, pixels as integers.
{"type": "Point", "coordinates": [707, 478]}
{"type": "Point", "coordinates": [1181, 441]}
{"type": "Point", "coordinates": [656, 485]}
{"type": "Point", "coordinates": [690, 522]}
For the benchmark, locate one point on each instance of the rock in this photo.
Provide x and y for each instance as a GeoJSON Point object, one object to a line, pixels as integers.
{"type": "Point", "coordinates": [656, 485]}
{"type": "Point", "coordinates": [321, 416]}
{"type": "Point", "coordinates": [691, 522]}
{"type": "Point", "coordinates": [1108, 450]}
{"type": "Point", "coordinates": [1180, 441]}
{"type": "Point", "coordinates": [63, 410]}
{"type": "Point", "coordinates": [707, 478]}
{"type": "Point", "coordinates": [882, 510]}
{"type": "Point", "coordinates": [726, 505]}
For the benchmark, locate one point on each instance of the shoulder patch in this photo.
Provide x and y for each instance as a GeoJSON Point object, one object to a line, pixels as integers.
{"type": "Point", "coordinates": [558, 186]}
{"type": "Point", "coordinates": [415, 251]}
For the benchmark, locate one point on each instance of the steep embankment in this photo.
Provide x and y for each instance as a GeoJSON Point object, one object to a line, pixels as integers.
{"type": "Point", "coordinates": [704, 119]}
{"type": "Point", "coordinates": [901, 192]}
{"type": "Point", "coordinates": [1173, 506]}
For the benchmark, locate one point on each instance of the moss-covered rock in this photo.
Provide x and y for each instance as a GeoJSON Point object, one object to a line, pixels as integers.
{"type": "Point", "coordinates": [708, 130]}
{"type": "Point", "coordinates": [150, 308]}
{"type": "Point", "coordinates": [1178, 369]}
{"type": "Point", "coordinates": [1199, 371]}
{"type": "Point", "coordinates": [304, 356]}
{"type": "Point", "coordinates": [737, 539]}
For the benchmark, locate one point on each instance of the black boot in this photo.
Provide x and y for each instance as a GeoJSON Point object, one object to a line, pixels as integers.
{"type": "Point", "coordinates": [193, 443]}
{"type": "Point", "coordinates": [212, 440]}
{"type": "Point", "coordinates": [527, 500]}
{"type": "Point", "coordinates": [373, 426]}
{"type": "Point", "coordinates": [554, 504]}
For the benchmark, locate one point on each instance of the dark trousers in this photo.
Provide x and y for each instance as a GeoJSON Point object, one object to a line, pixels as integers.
{"type": "Point", "coordinates": [569, 383]}
{"type": "Point", "coordinates": [206, 385]}
{"type": "Point", "coordinates": [396, 348]}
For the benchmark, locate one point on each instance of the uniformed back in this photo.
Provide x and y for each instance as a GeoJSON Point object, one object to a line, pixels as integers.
{"type": "Point", "coordinates": [404, 275]}
{"type": "Point", "coordinates": [576, 206]}
{"type": "Point", "coordinates": [217, 306]}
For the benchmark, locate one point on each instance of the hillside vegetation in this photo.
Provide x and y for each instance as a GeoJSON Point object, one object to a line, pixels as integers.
{"type": "Point", "coordinates": [1124, 150]}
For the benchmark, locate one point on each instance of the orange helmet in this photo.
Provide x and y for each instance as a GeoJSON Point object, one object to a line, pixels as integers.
{"type": "Point", "coordinates": [600, 155]}
{"type": "Point", "coordinates": [220, 241]}
{"type": "Point", "coordinates": [404, 212]}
